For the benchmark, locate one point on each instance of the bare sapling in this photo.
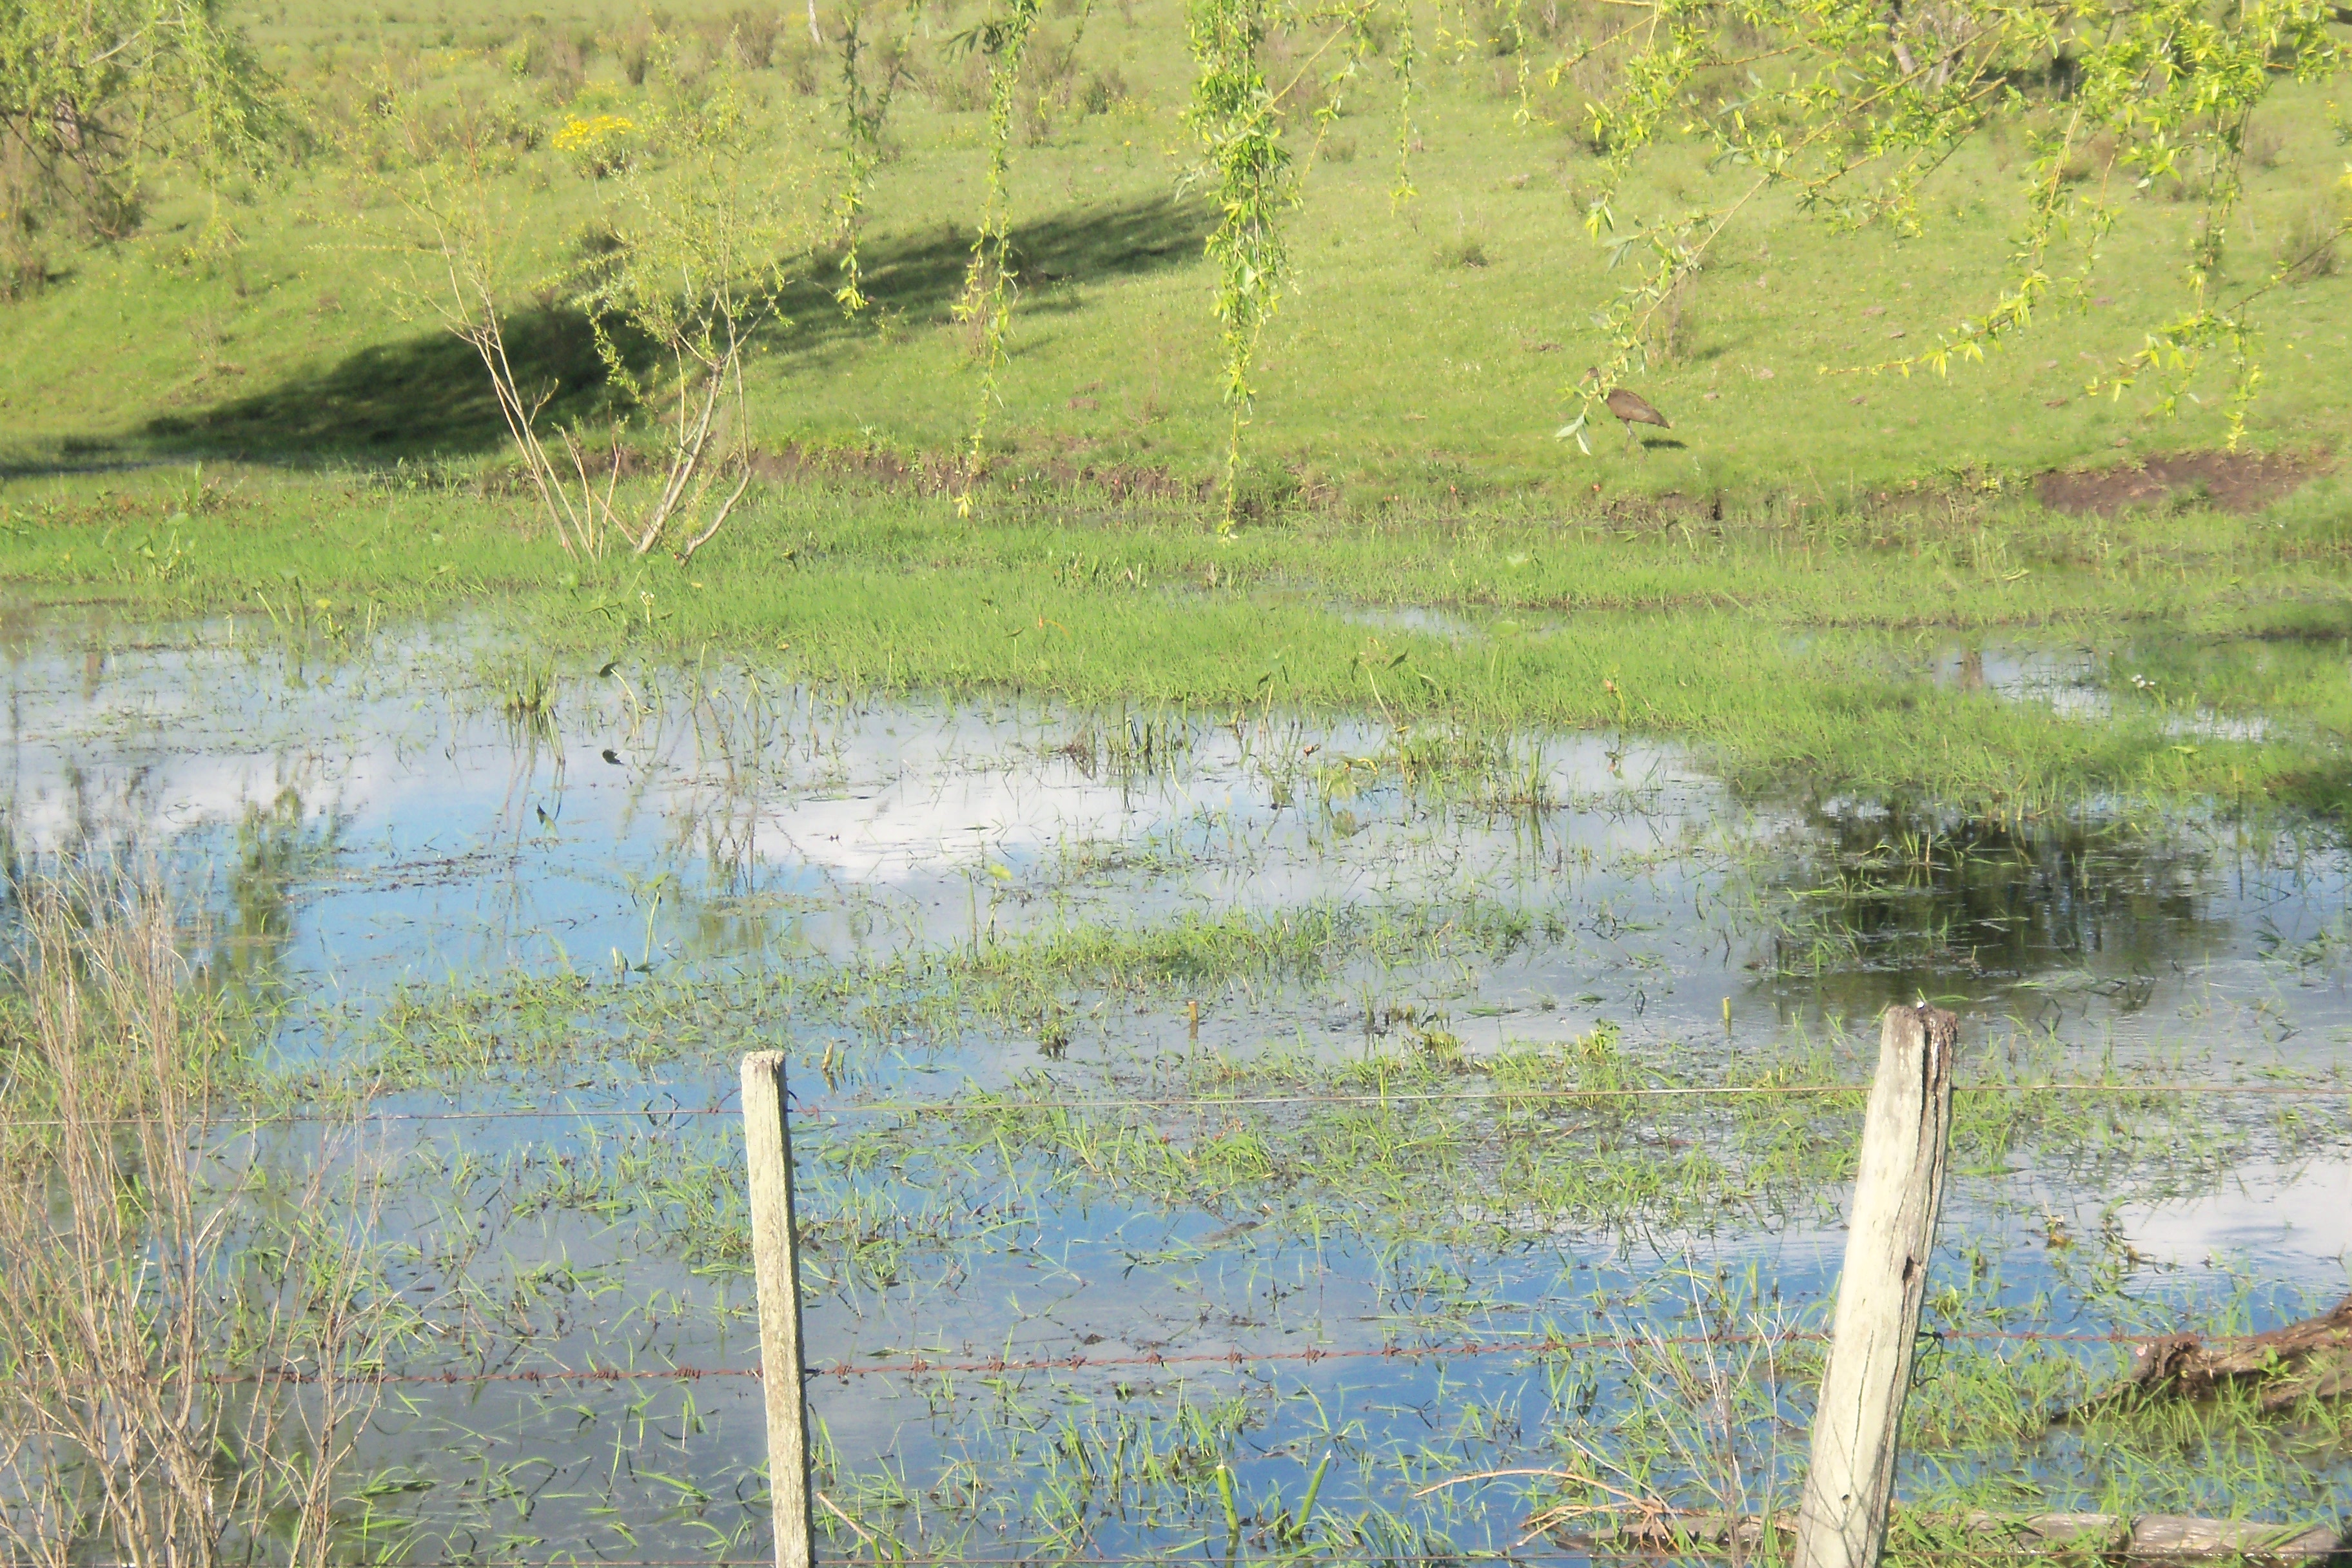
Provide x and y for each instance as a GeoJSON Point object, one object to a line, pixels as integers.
{"type": "Point", "coordinates": [683, 279]}
{"type": "Point", "coordinates": [466, 255]}
{"type": "Point", "coordinates": [691, 279]}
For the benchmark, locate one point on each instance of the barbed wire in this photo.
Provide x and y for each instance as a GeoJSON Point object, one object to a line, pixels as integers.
{"type": "Point", "coordinates": [1695, 1091]}
{"type": "Point", "coordinates": [918, 1365]}
{"type": "Point", "coordinates": [1043, 1557]}
{"type": "Point", "coordinates": [995, 1100]}
{"type": "Point", "coordinates": [1595, 1549]}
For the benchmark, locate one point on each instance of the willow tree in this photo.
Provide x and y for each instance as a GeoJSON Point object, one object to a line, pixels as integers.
{"type": "Point", "coordinates": [1237, 116]}
{"type": "Point", "coordinates": [1855, 106]}
{"type": "Point", "coordinates": [97, 96]}
{"type": "Point", "coordinates": [1850, 107]}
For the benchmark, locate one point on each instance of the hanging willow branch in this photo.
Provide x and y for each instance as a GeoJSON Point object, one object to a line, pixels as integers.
{"type": "Point", "coordinates": [1408, 65]}
{"type": "Point", "coordinates": [988, 284]}
{"type": "Point", "coordinates": [1864, 101]}
{"type": "Point", "coordinates": [865, 106]}
{"type": "Point", "coordinates": [1236, 117]}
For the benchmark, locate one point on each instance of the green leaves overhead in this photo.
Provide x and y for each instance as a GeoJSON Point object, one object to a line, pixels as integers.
{"type": "Point", "coordinates": [1249, 170]}
{"type": "Point", "coordinates": [988, 288]}
{"type": "Point", "coordinates": [1856, 104]}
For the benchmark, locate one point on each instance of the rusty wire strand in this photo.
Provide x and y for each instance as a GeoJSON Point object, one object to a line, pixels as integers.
{"type": "Point", "coordinates": [916, 1366]}
{"type": "Point", "coordinates": [1220, 1102]}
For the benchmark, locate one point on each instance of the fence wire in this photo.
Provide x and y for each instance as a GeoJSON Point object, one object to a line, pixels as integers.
{"type": "Point", "coordinates": [995, 1366]}
{"type": "Point", "coordinates": [998, 1099]}
{"type": "Point", "coordinates": [1598, 1550]}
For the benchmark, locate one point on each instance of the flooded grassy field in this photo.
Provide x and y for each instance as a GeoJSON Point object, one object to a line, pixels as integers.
{"type": "Point", "coordinates": [1248, 1133]}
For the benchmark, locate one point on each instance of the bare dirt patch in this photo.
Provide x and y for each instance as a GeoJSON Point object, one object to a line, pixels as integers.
{"type": "Point", "coordinates": [2225, 481]}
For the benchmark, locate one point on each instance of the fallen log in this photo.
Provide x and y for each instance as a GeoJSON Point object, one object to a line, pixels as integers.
{"type": "Point", "coordinates": [2158, 1538]}
{"type": "Point", "coordinates": [2311, 1358]}
{"type": "Point", "coordinates": [2149, 1540]}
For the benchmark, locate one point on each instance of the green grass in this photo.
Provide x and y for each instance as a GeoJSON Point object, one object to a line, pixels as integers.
{"type": "Point", "coordinates": [1767, 588]}
{"type": "Point", "coordinates": [1789, 649]}
{"type": "Point", "coordinates": [1426, 352]}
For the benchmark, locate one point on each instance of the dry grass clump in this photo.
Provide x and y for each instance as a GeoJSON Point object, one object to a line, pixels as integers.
{"type": "Point", "coordinates": [177, 1330]}
{"type": "Point", "coordinates": [2312, 246]}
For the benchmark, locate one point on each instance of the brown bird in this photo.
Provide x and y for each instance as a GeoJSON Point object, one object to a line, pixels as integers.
{"type": "Point", "coordinates": [1630, 408]}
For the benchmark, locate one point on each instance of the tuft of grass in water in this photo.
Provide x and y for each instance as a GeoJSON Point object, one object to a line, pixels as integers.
{"type": "Point", "coordinates": [1131, 745]}
{"type": "Point", "coordinates": [523, 684]}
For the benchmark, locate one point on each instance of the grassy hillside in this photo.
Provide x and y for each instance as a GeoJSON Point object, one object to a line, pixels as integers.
{"type": "Point", "coordinates": [1426, 351]}
{"type": "Point", "coordinates": [1805, 580]}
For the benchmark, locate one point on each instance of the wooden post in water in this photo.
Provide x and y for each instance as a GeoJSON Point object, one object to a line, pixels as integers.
{"type": "Point", "coordinates": [1898, 1193]}
{"type": "Point", "coordinates": [775, 1264]}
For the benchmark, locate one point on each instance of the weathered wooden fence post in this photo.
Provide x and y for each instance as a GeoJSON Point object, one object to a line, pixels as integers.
{"type": "Point", "coordinates": [1898, 1193]}
{"type": "Point", "coordinates": [775, 1264]}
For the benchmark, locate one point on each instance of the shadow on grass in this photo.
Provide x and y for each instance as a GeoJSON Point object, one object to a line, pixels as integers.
{"type": "Point", "coordinates": [921, 276]}
{"type": "Point", "coordinates": [428, 396]}
{"type": "Point", "coordinates": [423, 397]}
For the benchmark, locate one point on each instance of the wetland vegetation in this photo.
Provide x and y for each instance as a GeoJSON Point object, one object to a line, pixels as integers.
{"type": "Point", "coordinates": [1329, 986]}
{"type": "Point", "coordinates": [1134, 1048]}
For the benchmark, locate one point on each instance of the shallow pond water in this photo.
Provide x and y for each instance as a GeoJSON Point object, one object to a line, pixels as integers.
{"type": "Point", "coordinates": [1076, 1003]}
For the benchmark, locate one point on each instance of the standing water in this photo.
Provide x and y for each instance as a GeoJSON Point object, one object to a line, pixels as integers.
{"type": "Point", "coordinates": [1187, 1164]}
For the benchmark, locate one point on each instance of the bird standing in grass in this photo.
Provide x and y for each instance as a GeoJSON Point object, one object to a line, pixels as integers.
{"type": "Point", "coordinates": [1631, 408]}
